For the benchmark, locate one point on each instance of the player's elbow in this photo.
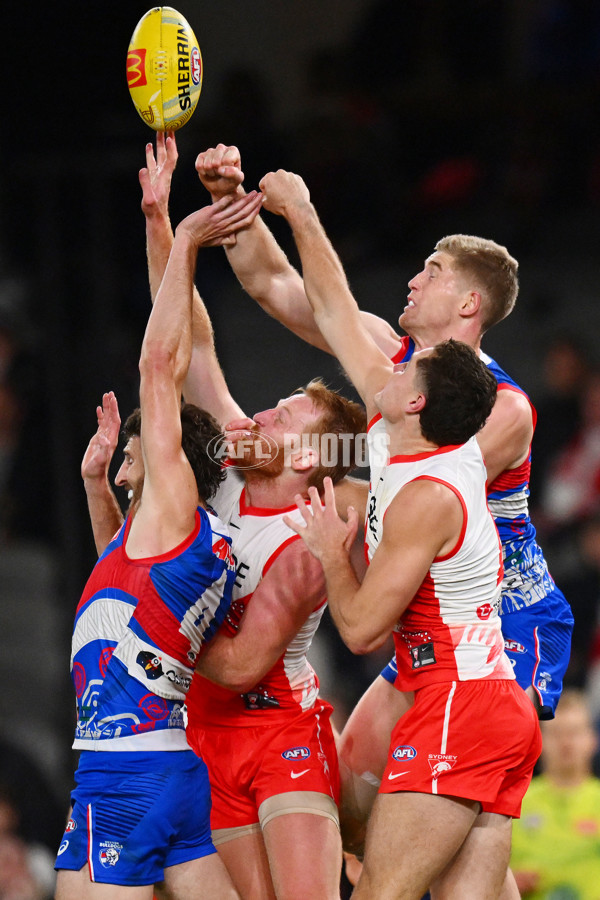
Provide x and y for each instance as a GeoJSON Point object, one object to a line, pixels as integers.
{"type": "Point", "coordinates": [361, 643]}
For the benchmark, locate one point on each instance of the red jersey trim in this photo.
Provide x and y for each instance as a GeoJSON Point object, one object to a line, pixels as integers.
{"type": "Point", "coordinates": [279, 551]}
{"type": "Point", "coordinates": [162, 557]}
{"type": "Point", "coordinates": [247, 510]}
{"type": "Point", "coordinates": [425, 455]}
{"type": "Point", "coordinates": [463, 530]}
{"type": "Point", "coordinates": [374, 420]}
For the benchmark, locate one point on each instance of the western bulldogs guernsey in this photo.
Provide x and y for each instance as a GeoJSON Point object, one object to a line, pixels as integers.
{"type": "Point", "coordinates": [526, 576]}
{"type": "Point", "coordinates": [451, 629]}
{"type": "Point", "coordinates": [259, 535]}
{"type": "Point", "coordinates": [139, 628]}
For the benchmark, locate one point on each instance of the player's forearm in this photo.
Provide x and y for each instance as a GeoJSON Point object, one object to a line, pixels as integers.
{"type": "Point", "coordinates": [159, 240]}
{"type": "Point", "coordinates": [105, 513]}
{"type": "Point", "coordinates": [230, 664]}
{"type": "Point", "coordinates": [265, 273]}
{"type": "Point", "coordinates": [167, 344]}
{"type": "Point", "coordinates": [325, 281]}
{"type": "Point", "coordinates": [358, 628]}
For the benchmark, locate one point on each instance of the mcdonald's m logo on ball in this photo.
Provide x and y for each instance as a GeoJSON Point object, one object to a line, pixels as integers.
{"type": "Point", "coordinates": [136, 68]}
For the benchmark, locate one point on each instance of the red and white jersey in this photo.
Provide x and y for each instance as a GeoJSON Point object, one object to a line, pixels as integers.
{"type": "Point", "coordinates": [259, 536]}
{"type": "Point", "coordinates": [451, 628]}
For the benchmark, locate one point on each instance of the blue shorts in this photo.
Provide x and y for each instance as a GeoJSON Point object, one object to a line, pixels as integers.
{"type": "Point", "coordinates": [537, 640]}
{"type": "Point", "coordinates": [134, 814]}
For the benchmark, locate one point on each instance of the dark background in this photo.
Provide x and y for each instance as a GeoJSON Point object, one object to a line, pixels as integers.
{"type": "Point", "coordinates": [408, 120]}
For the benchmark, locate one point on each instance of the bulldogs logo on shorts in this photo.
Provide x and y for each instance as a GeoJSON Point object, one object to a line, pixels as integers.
{"type": "Point", "coordinates": [109, 853]}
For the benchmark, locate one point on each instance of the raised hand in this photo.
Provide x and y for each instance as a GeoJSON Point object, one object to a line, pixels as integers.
{"type": "Point", "coordinates": [220, 170]}
{"type": "Point", "coordinates": [326, 535]}
{"type": "Point", "coordinates": [103, 444]}
{"type": "Point", "coordinates": [283, 190]}
{"type": "Point", "coordinates": [155, 179]}
{"type": "Point", "coordinates": [216, 225]}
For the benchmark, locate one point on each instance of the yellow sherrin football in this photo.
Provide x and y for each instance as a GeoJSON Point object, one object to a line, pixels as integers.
{"type": "Point", "coordinates": [164, 69]}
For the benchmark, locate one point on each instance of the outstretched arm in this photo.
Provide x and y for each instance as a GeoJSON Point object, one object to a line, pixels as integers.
{"type": "Point", "coordinates": [169, 496]}
{"type": "Point", "coordinates": [335, 309]}
{"type": "Point", "coordinates": [105, 513]}
{"type": "Point", "coordinates": [262, 267]}
{"type": "Point", "coordinates": [205, 383]}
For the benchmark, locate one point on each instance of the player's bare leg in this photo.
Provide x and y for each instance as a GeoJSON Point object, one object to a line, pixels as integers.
{"type": "Point", "coordinates": [246, 861]}
{"type": "Point", "coordinates": [479, 871]}
{"type": "Point", "coordinates": [305, 853]}
{"type": "Point", "coordinates": [200, 879]}
{"type": "Point", "coordinates": [411, 838]}
{"type": "Point", "coordinates": [362, 749]}
{"type": "Point", "coordinates": [72, 885]}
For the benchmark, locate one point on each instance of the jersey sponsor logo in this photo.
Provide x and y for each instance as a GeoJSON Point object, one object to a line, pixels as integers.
{"type": "Point", "coordinates": [513, 646]}
{"type": "Point", "coordinates": [440, 763]}
{"type": "Point", "coordinates": [485, 610]}
{"type": "Point", "coordinates": [260, 699]}
{"type": "Point", "coordinates": [295, 753]}
{"type": "Point", "coordinates": [423, 655]}
{"type": "Point", "coordinates": [404, 751]}
{"type": "Point", "coordinates": [298, 774]}
{"type": "Point", "coordinates": [372, 515]}
{"type": "Point", "coordinates": [109, 853]}
{"type": "Point", "coordinates": [62, 847]}
{"type": "Point", "coordinates": [150, 663]}
{"type": "Point", "coordinates": [153, 669]}
{"type": "Point", "coordinates": [71, 825]}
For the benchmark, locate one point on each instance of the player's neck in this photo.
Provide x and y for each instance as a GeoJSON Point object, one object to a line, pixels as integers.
{"type": "Point", "coordinates": [463, 331]}
{"type": "Point", "coordinates": [272, 493]}
{"type": "Point", "coordinates": [406, 440]}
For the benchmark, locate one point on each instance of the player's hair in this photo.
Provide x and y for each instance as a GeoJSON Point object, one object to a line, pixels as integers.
{"type": "Point", "coordinates": [340, 416]}
{"type": "Point", "coordinates": [198, 429]}
{"type": "Point", "coordinates": [493, 269]}
{"type": "Point", "coordinates": [460, 393]}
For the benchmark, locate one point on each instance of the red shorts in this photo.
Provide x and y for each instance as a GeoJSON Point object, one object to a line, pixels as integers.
{"type": "Point", "coordinates": [478, 740]}
{"type": "Point", "coordinates": [248, 765]}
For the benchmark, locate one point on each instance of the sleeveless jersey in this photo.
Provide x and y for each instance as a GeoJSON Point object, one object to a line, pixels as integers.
{"type": "Point", "coordinates": [259, 536]}
{"type": "Point", "coordinates": [451, 628]}
{"type": "Point", "coordinates": [139, 628]}
{"type": "Point", "coordinates": [526, 576]}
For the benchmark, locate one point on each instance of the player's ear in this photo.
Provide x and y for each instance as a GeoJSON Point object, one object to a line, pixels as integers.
{"type": "Point", "coordinates": [471, 304]}
{"type": "Point", "coordinates": [304, 458]}
{"type": "Point", "coordinates": [417, 403]}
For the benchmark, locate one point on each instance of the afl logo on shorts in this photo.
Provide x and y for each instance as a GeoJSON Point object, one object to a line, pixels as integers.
{"type": "Point", "coordinates": [71, 825]}
{"type": "Point", "coordinates": [513, 646]}
{"type": "Point", "coordinates": [296, 753]}
{"type": "Point", "coordinates": [404, 751]}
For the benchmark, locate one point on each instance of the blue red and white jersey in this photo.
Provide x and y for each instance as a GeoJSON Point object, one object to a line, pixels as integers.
{"type": "Point", "coordinates": [139, 628]}
{"type": "Point", "coordinates": [526, 576]}
{"type": "Point", "coordinates": [291, 686]}
{"type": "Point", "coordinates": [451, 628]}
